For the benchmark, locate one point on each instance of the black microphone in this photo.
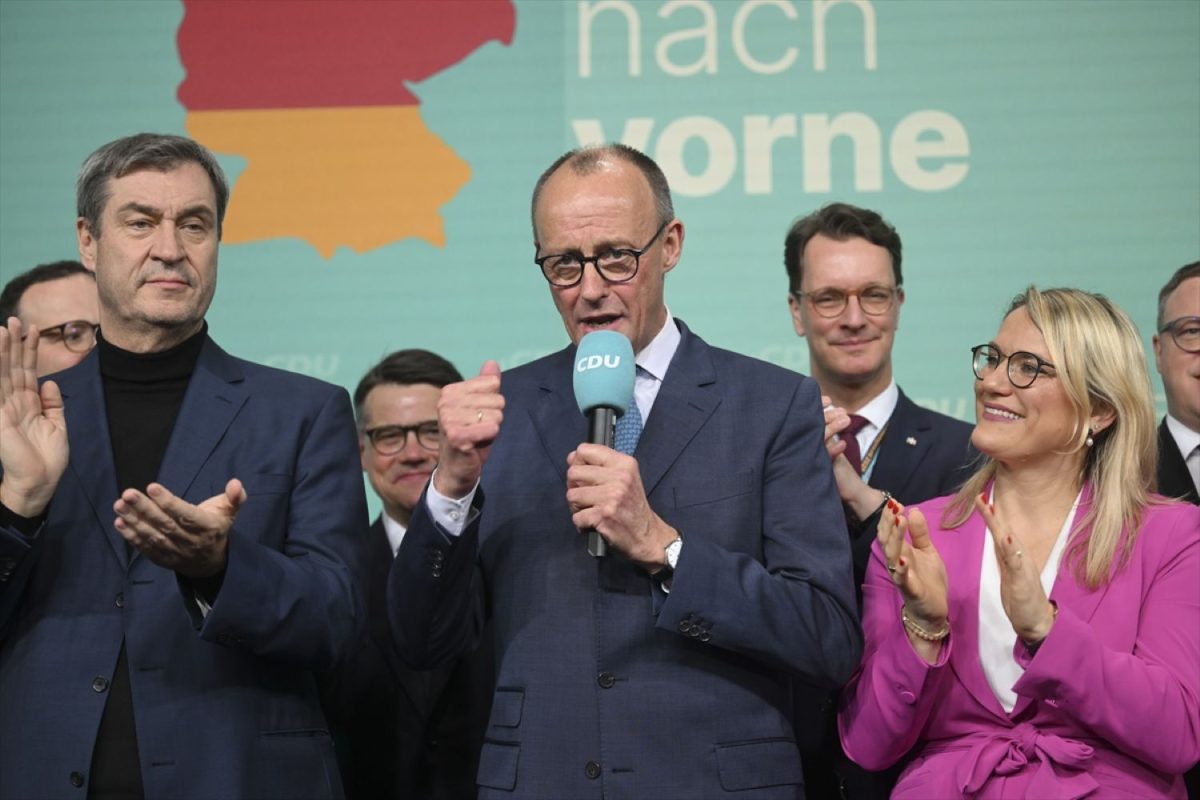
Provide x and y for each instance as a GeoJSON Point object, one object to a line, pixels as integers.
{"type": "Point", "coordinates": [603, 380]}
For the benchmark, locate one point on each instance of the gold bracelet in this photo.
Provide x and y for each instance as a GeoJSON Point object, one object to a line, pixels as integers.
{"type": "Point", "coordinates": [920, 632]}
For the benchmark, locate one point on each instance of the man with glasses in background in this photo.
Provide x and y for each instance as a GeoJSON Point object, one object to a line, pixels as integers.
{"type": "Point", "coordinates": [59, 301]}
{"type": "Point", "coordinates": [1177, 357]}
{"type": "Point", "coordinates": [845, 292]}
{"type": "Point", "coordinates": [661, 670]}
{"type": "Point", "coordinates": [401, 732]}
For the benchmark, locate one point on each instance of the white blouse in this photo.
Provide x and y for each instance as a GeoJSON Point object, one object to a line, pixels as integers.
{"type": "Point", "coordinates": [996, 635]}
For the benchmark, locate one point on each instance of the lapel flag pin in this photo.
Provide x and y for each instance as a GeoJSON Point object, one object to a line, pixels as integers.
{"type": "Point", "coordinates": [911, 441]}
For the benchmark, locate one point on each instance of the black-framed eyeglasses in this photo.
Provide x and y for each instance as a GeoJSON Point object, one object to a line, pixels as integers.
{"type": "Point", "coordinates": [391, 439]}
{"type": "Point", "coordinates": [619, 265]}
{"type": "Point", "coordinates": [828, 302]}
{"type": "Point", "coordinates": [1186, 333]}
{"type": "Point", "coordinates": [1023, 368]}
{"type": "Point", "coordinates": [78, 335]}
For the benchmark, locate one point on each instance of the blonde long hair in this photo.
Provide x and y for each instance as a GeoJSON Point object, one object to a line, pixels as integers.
{"type": "Point", "coordinates": [1098, 356]}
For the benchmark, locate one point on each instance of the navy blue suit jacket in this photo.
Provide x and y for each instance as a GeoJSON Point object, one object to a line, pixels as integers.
{"type": "Point", "coordinates": [405, 733]}
{"type": "Point", "coordinates": [609, 687]}
{"type": "Point", "coordinates": [225, 704]}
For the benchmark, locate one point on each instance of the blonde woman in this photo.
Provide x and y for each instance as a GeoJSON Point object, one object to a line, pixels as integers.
{"type": "Point", "coordinates": [1038, 633]}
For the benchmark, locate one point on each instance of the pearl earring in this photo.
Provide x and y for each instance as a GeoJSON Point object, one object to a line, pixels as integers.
{"type": "Point", "coordinates": [1090, 440]}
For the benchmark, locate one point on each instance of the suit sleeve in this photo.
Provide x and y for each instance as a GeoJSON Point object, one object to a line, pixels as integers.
{"type": "Point", "coordinates": [795, 607]}
{"type": "Point", "coordinates": [301, 604]}
{"type": "Point", "coordinates": [18, 554]}
{"type": "Point", "coordinates": [435, 590]}
{"type": "Point", "coordinates": [887, 702]}
{"type": "Point", "coordinates": [1145, 703]}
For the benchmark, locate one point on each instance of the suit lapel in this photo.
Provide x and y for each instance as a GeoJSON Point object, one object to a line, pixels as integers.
{"type": "Point", "coordinates": [556, 416]}
{"type": "Point", "coordinates": [904, 445]}
{"type": "Point", "coordinates": [1173, 477]}
{"type": "Point", "coordinates": [91, 449]}
{"type": "Point", "coordinates": [213, 399]}
{"type": "Point", "coordinates": [685, 402]}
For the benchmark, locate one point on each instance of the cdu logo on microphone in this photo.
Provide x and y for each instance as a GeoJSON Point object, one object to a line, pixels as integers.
{"type": "Point", "coordinates": [597, 361]}
{"type": "Point", "coordinates": [604, 372]}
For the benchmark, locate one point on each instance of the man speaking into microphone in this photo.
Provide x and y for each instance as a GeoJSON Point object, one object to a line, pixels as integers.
{"type": "Point", "coordinates": [661, 670]}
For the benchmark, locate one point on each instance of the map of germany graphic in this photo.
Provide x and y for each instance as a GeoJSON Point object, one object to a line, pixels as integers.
{"type": "Point", "coordinates": [313, 95]}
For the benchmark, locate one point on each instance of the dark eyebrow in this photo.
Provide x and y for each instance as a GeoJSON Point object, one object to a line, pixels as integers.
{"type": "Point", "coordinates": [201, 211]}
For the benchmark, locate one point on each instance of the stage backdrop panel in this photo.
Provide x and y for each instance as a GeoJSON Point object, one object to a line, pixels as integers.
{"type": "Point", "coordinates": [382, 155]}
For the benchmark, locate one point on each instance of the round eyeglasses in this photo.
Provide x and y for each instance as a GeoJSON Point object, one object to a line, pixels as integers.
{"type": "Point", "coordinates": [391, 439]}
{"type": "Point", "coordinates": [829, 302]}
{"type": "Point", "coordinates": [1185, 331]}
{"type": "Point", "coordinates": [1023, 368]}
{"type": "Point", "coordinates": [618, 265]}
{"type": "Point", "coordinates": [78, 335]}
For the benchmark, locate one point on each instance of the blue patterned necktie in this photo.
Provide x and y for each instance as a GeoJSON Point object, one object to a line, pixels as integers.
{"type": "Point", "coordinates": [629, 429]}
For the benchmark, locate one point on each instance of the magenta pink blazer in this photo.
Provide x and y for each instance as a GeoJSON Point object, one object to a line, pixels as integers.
{"type": "Point", "coordinates": [1108, 707]}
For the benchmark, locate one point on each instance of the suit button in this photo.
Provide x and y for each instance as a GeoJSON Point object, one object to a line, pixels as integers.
{"type": "Point", "coordinates": [224, 639]}
{"type": "Point", "coordinates": [685, 626]}
{"type": "Point", "coordinates": [77, 779]}
{"type": "Point", "coordinates": [606, 680]}
{"type": "Point", "coordinates": [908, 697]}
{"type": "Point", "coordinates": [119, 600]}
{"type": "Point", "coordinates": [704, 637]}
{"type": "Point", "coordinates": [100, 685]}
{"type": "Point", "coordinates": [592, 770]}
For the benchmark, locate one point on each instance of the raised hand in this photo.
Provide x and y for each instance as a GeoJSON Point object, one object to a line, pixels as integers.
{"type": "Point", "coordinates": [469, 414]}
{"type": "Point", "coordinates": [854, 491]}
{"type": "Point", "coordinates": [1029, 610]}
{"type": "Point", "coordinates": [33, 429]}
{"type": "Point", "coordinates": [605, 494]}
{"type": "Point", "coordinates": [191, 539]}
{"type": "Point", "coordinates": [915, 565]}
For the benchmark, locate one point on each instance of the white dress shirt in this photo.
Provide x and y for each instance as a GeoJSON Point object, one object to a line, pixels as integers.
{"type": "Point", "coordinates": [395, 532]}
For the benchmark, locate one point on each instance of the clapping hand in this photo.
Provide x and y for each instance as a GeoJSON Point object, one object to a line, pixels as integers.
{"type": "Point", "coordinates": [916, 567]}
{"type": "Point", "coordinates": [1029, 610]}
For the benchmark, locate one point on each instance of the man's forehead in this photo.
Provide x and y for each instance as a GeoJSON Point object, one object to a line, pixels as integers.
{"type": "Point", "coordinates": [1186, 295]}
{"type": "Point", "coordinates": [185, 183]}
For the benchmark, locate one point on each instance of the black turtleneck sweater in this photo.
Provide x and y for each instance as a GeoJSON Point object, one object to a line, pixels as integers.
{"type": "Point", "coordinates": [142, 396]}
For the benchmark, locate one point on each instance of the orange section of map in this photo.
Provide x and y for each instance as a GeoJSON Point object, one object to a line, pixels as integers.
{"type": "Point", "coordinates": [358, 177]}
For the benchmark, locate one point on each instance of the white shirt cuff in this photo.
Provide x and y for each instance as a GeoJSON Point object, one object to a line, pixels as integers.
{"type": "Point", "coordinates": [450, 515]}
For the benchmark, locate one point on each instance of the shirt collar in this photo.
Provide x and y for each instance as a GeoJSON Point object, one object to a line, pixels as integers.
{"type": "Point", "coordinates": [879, 410]}
{"type": "Point", "coordinates": [1185, 438]}
{"type": "Point", "coordinates": [395, 532]}
{"type": "Point", "coordinates": [655, 357]}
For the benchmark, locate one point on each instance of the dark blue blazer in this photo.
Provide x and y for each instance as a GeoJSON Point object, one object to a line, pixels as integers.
{"type": "Point", "coordinates": [404, 733]}
{"type": "Point", "coordinates": [225, 705]}
{"type": "Point", "coordinates": [609, 687]}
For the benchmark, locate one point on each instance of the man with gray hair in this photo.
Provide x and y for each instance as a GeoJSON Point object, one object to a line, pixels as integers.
{"type": "Point", "coordinates": [663, 669]}
{"type": "Point", "coordinates": [179, 528]}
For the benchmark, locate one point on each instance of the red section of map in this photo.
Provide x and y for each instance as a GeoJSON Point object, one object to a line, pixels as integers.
{"type": "Point", "coordinates": [264, 54]}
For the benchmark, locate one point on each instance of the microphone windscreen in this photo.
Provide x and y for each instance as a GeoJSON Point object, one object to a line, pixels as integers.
{"type": "Point", "coordinates": [604, 372]}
